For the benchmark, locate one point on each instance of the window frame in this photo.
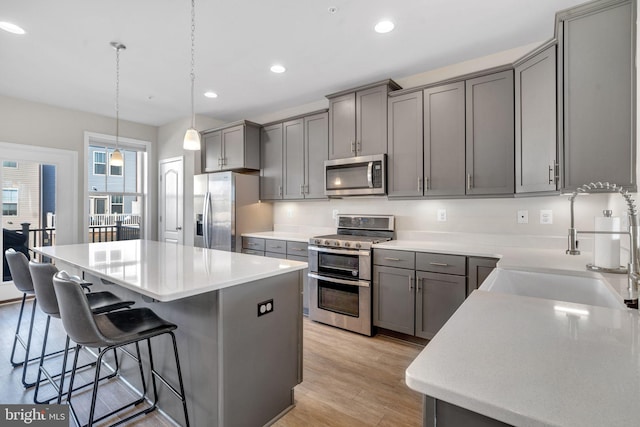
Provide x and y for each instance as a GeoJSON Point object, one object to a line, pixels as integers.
{"type": "Point", "coordinates": [17, 202]}
{"type": "Point", "coordinates": [6, 164]}
{"type": "Point", "coordinates": [94, 163]}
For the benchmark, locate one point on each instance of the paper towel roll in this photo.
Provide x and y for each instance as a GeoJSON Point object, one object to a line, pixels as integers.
{"type": "Point", "coordinates": [606, 247]}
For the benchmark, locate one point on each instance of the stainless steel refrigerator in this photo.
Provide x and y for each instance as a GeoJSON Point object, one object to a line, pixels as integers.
{"type": "Point", "coordinates": [226, 204]}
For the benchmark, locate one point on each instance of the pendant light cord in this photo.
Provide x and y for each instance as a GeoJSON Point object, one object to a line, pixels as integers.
{"type": "Point", "coordinates": [193, 61]}
{"type": "Point", "coordinates": [117, 93]}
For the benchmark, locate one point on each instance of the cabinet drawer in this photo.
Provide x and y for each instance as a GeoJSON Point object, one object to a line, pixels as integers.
{"type": "Point", "coordinates": [252, 252]}
{"type": "Point", "coordinates": [279, 246]}
{"type": "Point", "coordinates": [391, 258]}
{"type": "Point", "coordinates": [275, 255]}
{"type": "Point", "coordinates": [253, 243]}
{"type": "Point", "coordinates": [297, 249]}
{"type": "Point", "coordinates": [441, 263]}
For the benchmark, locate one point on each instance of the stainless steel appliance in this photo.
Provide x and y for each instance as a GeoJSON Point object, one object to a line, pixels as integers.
{"type": "Point", "coordinates": [356, 176]}
{"type": "Point", "coordinates": [226, 204]}
{"type": "Point", "coordinates": [340, 270]}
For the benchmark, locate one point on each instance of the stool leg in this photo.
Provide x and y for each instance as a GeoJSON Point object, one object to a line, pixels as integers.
{"type": "Point", "coordinates": [94, 393]}
{"type": "Point", "coordinates": [26, 357]}
{"type": "Point", "coordinates": [182, 396]}
{"type": "Point", "coordinates": [64, 368]}
{"type": "Point", "coordinates": [15, 337]}
{"type": "Point", "coordinates": [42, 354]}
{"type": "Point", "coordinates": [73, 376]}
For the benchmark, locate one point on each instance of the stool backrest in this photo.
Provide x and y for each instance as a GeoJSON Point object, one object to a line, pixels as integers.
{"type": "Point", "coordinates": [19, 268]}
{"type": "Point", "coordinates": [75, 312]}
{"type": "Point", "coordinates": [42, 277]}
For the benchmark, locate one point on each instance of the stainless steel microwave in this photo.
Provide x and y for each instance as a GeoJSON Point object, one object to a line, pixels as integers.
{"type": "Point", "coordinates": [356, 176]}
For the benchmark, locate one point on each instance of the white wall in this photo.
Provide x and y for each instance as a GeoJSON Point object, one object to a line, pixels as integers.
{"type": "Point", "coordinates": [31, 123]}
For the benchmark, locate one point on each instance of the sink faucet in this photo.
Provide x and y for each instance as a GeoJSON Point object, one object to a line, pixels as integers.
{"type": "Point", "coordinates": [633, 270]}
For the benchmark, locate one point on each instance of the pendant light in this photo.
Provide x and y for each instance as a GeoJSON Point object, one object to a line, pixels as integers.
{"type": "Point", "coordinates": [192, 137]}
{"type": "Point", "coordinates": [116, 156]}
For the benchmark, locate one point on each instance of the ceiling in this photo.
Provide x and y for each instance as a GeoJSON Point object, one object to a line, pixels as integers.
{"type": "Point", "coordinates": [65, 58]}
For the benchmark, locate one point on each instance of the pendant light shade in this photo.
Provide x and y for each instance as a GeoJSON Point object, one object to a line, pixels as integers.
{"type": "Point", "coordinates": [192, 137]}
{"type": "Point", "coordinates": [116, 157]}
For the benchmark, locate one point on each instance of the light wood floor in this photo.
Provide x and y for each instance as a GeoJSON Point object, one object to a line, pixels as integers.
{"type": "Point", "coordinates": [349, 380]}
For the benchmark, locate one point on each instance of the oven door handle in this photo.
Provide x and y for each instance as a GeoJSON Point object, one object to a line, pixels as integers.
{"type": "Point", "coordinates": [361, 283]}
{"type": "Point", "coordinates": [339, 251]}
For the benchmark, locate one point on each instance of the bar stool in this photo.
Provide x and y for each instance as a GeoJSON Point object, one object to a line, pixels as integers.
{"type": "Point", "coordinates": [110, 331]}
{"type": "Point", "coordinates": [19, 268]}
{"type": "Point", "coordinates": [99, 302]}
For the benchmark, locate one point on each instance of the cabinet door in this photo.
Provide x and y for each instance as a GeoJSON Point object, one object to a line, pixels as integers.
{"type": "Point", "coordinates": [212, 155]}
{"type": "Point", "coordinates": [271, 162]}
{"type": "Point", "coordinates": [490, 134]}
{"type": "Point", "coordinates": [536, 134]}
{"type": "Point", "coordinates": [405, 146]}
{"type": "Point", "coordinates": [293, 152]}
{"type": "Point", "coordinates": [316, 146]}
{"type": "Point", "coordinates": [305, 282]}
{"type": "Point", "coordinates": [342, 126]}
{"type": "Point", "coordinates": [444, 140]}
{"type": "Point", "coordinates": [371, 121]}
{"type": "Point", "coordinates": [233, 147]}
{"type": "Point", "coordinates": [394, 298]}
{"type": "Point", "coordinates": [479, 269]}
{"type": "Point", "coordinates": [438, 296]}
{"type": "Point", "coordinates": [599, 96]}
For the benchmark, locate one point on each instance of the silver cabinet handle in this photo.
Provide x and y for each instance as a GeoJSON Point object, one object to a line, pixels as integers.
{"type": "Point", "coordinates": [358, 146]}
{"type": "Point", "coordinates": [439, 264]}
{"type": "Point", "coordinates": [427, 184]}
{"type": "Point", "coordinates": [298, 249]}
{"type": "Point", "coordinates": [410, 283]}
{"type": "Point", "coordinates": [252, 244]}
{"type": "Point", "coordinates": [276, 247]}
{"type": "Point", "coordinates": [419, 284]}
{"type": "Point", "coordinates": [469, 182]}
{"type": "Point", "coordinates": [550, 174]}
{"type": "Point", "coordinates": [280, 190]}
{"type": "Point", "coordinates": [302, 189]}
{"type": "Point", "coordinates": [353, 146]}
{"type": "Point", "coordinates": [419, 184]}
{"type": "Point", "coordinates": [391, 259]}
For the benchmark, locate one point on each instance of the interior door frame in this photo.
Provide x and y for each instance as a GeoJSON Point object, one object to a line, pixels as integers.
{"type": "Point", "coordinates": [161, 196]}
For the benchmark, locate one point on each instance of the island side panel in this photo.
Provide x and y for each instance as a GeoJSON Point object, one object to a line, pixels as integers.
{"type": "Point", "coordinates": [260, 357]}
{"type": "Point", "coordinates": [197, 339]}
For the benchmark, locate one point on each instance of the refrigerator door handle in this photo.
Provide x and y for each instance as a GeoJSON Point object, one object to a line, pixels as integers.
{"type": "Point", "coordinates": [205, 219]}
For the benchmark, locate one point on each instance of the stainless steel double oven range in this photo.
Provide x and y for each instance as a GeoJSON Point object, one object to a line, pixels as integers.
{"type": "Point", "coordinates": [340, 271]}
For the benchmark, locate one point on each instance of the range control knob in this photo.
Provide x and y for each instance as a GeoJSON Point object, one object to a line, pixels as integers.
{"type": "Point", "coordinates": [336, 243]}
{"type": "Point", "coordinates": [327, 242]}
{"type": "Point", "coordinates": [317, 241]}
{"type": "Point", "coordinates": [346, 244]}
{"type": "Point", "coordinates": [358, 245]}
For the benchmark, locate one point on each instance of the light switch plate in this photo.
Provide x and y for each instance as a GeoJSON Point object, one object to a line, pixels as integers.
{"type": "Point", "coordinates": [546, 217]}
{"type": "Point", "coordinates": [523, 217]}
{"type": "Point", "coordinates": [442, 215]}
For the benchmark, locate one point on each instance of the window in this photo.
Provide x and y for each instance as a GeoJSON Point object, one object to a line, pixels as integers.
{"type": "Point", "coordinates": [99, 163]}
{"type": "Point", "coordinates": [117, 205]}
{"type": "Point", "coordinates": [9, 201]}
{"type": "Point", "coordinates": [115, 170]}
{"type": "Point", "coordinates": [9, 164]}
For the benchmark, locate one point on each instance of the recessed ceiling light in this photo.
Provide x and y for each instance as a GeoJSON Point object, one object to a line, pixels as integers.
{"type": "Point", "coordinates": [211, 94]}
{"type": "Point", "coordinates": [278, 69]}
{"type": "Point", "coordinates": [384, 27]}
{"type": "Point", "coordinates": [333, 10]}
{"type": "Point", "coordinates": [11, 28]}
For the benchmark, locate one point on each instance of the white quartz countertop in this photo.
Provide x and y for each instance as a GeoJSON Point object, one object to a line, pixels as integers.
{"type": "Point", "coordinates": [281, 235]}
{"type": "Point", "coordinates": [166, 271]}
{"type": "Point", "coordinates": [528, 362]}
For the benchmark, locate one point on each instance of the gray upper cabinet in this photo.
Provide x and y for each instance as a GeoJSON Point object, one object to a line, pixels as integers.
{"type": "Point", "coordinates": [444, 140]}
{"type": "Point", "coordinates": [316, 144]}
{"type": "Point", "coordinates": [536, 126]}
{"type": "Point", "coordinates": [405, 170]}
{"type": "Point", "coordinates": [358, 120]}
{"type": "Point", "coordinates": [235, 146]}
{"type": "Point", "coordinates": [597, 73]}
{"type": "Point", "coordinates": [490, 134]}
{"type": "Point", "coordinates": [271, 162]}
{"type": "Point", "coordinates": [293, 155]}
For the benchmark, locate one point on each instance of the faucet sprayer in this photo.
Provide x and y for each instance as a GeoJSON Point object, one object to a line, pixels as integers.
{"type": "Point", "coordinates": [633, 232]}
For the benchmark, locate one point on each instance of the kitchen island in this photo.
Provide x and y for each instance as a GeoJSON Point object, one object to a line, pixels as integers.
{"type": "Point", "coordinates": [240, 360]}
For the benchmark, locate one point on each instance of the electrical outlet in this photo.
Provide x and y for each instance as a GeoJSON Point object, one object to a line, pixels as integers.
{"type": "Point", "coordinates": [523, 217]}
{"type": "Point", "coordinates": [442, 215]}
{"type": "Point", "coordinates": [265, 307]}
{"type": "Point", "coordinates": [289, 212]}
{"type": "Point", "coordinates": [334, 213]}
{"type": "Point", "coordinates": [546, 216]}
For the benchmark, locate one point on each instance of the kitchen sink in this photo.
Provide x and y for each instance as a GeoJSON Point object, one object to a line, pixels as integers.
{"type": "Point", "coordinates": [554, 286]}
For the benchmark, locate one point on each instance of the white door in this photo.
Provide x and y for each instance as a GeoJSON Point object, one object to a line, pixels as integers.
{"type": "Point", "coordinates": [171, 204]}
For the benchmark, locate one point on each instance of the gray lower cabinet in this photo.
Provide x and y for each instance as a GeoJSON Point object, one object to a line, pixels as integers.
{"type": "Point", "coordinates": [490, 134]}
{"type": "Point", "coordinates": [283, 249]}
{"type": "Point", "coordinates": [479, 269]}
{"type": "Point", "coordinates": [536, 124]}
{"type": "Point", "coordinates": [597, 74]}
{"type": "Point", "coordinates": [394, 298]}
{"type": "Point", "coordinates": [358, 120]}
{"type": "Point", "coordinates": [235, 146]}
{"type": "Point", "coordinates": [438, 296]}
{"type": "Point", "coordinates": [293, 155]}
{"type": "Point", "coordinates": [271, 162]}
{"type": "Point", "coordinates": [448, 415]}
